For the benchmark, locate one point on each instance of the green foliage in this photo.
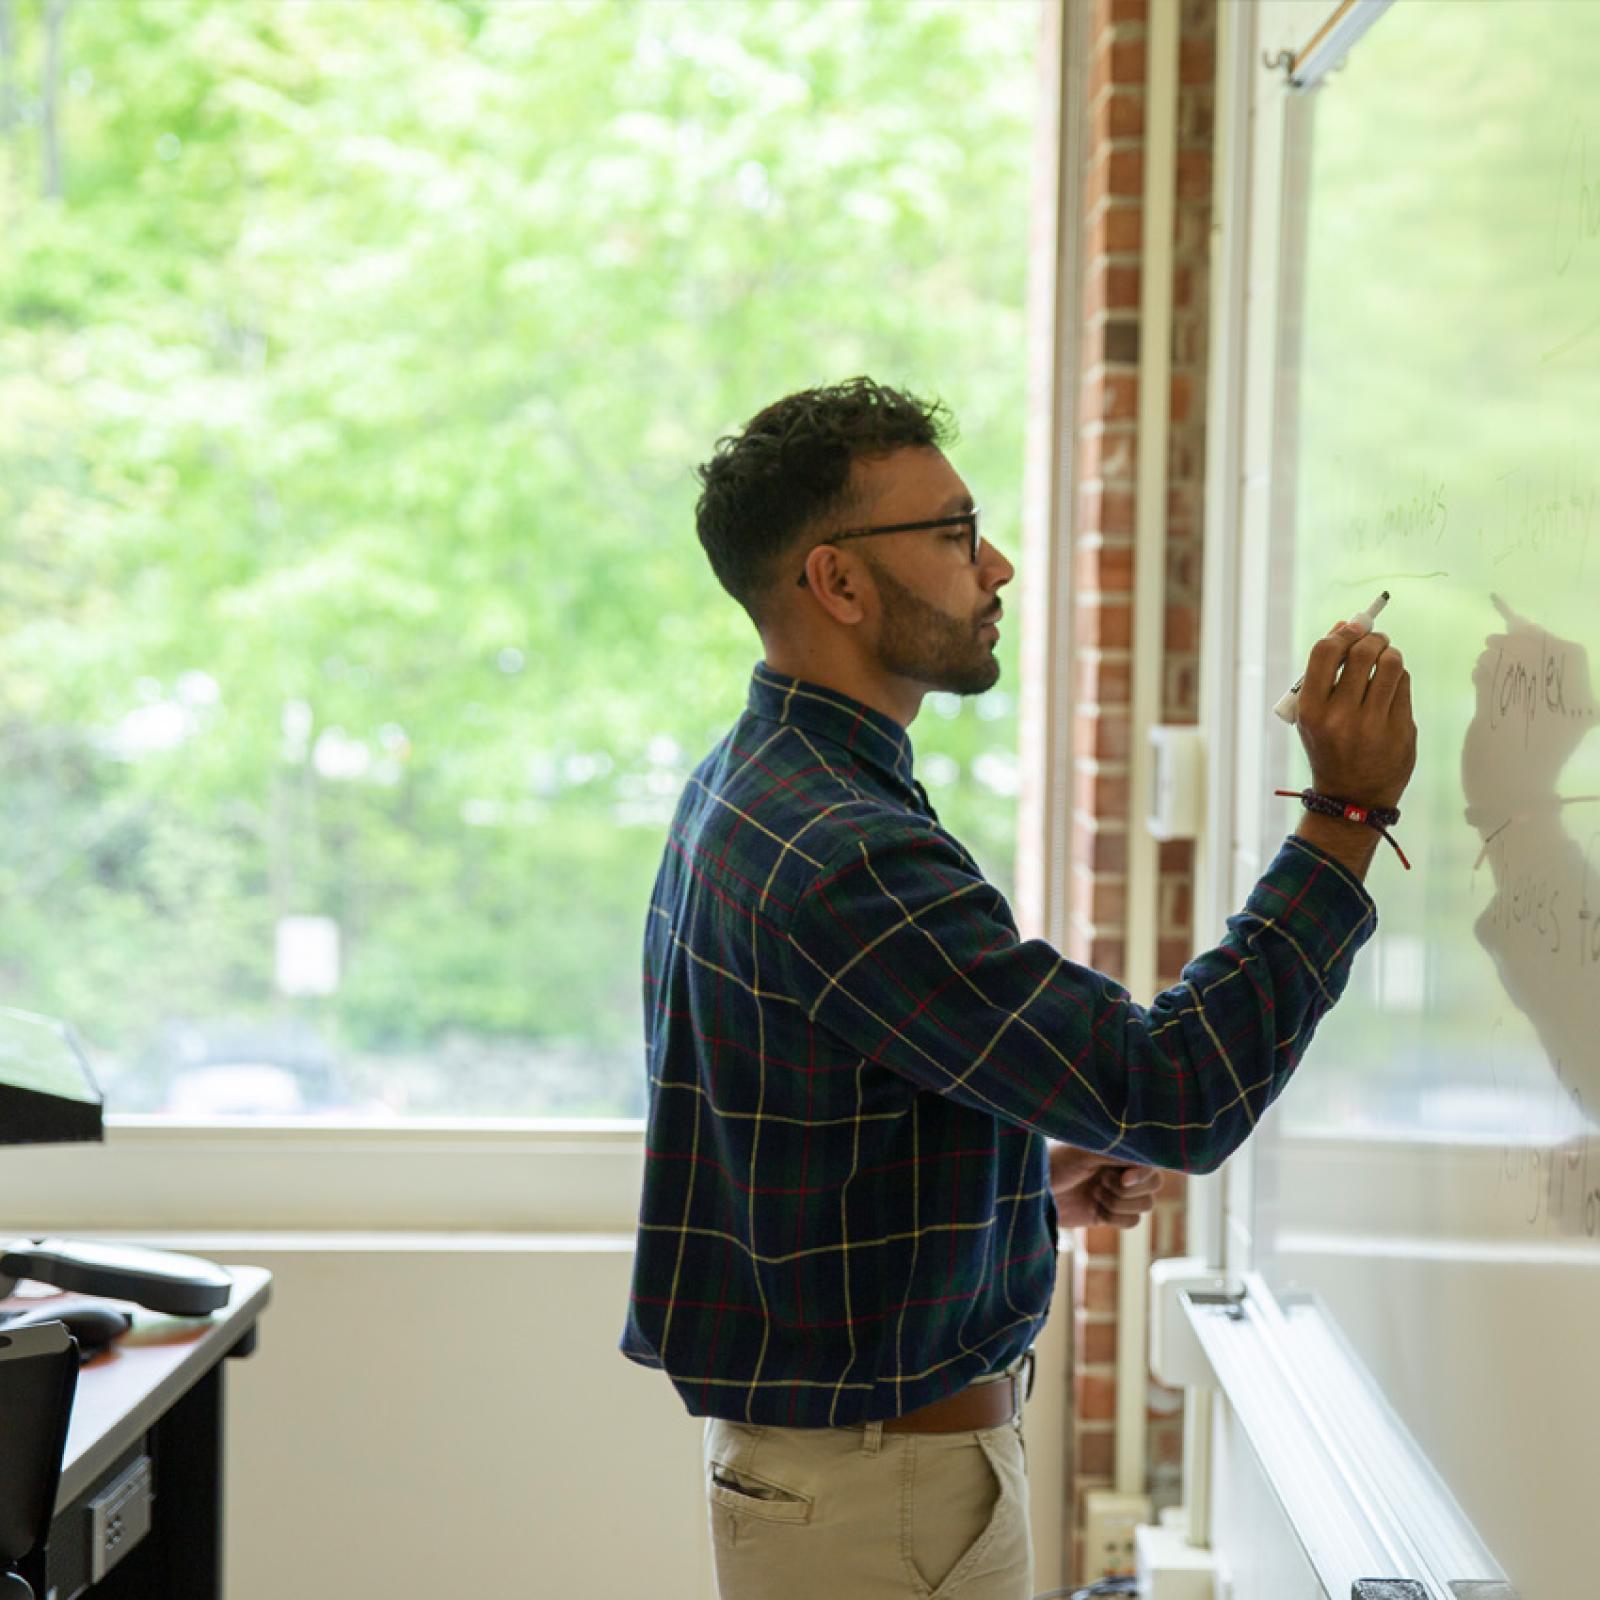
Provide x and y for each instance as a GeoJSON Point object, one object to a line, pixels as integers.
{"type": "Point", "coordinates": [350, 394]}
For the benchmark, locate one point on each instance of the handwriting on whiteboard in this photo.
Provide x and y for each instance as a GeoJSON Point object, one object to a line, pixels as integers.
{"type": "Point", "coordinates": [1554, 1183]}
{"type": "Point", "coordinates": [1577, 219]}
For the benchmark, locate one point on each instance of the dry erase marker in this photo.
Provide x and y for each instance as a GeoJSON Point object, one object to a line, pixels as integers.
{"type": "Point", "coordinates": [1289, 706]}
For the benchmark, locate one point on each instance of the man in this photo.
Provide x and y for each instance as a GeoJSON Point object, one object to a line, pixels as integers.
{"type": "Point", "coordinates": [847, 1234]}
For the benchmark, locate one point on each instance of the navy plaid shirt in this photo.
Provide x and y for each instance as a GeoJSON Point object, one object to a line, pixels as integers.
{"type": "Point", "coordinates": [854, 1059]}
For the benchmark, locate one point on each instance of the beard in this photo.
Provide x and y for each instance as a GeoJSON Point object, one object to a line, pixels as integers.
{"type": "Point", "coordinates": [920, 642]}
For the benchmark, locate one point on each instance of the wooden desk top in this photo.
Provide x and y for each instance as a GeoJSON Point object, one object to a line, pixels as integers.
{"type": "Point", "coordinates": [125, 1389]}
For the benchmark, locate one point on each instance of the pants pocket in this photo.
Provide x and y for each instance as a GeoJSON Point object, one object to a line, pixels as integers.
{"type": "Point", "coordinates": [739, 1490]}
{"type": "Point", "coordinates": [966, 1521]}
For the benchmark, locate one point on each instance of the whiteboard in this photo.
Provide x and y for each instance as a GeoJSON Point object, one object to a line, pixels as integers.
{"type": "Point", "coordinates": [1432, 1176]}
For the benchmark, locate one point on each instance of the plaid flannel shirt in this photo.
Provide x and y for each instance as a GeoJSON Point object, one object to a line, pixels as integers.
{"type": "Point", "coordinates": [854, 1059]}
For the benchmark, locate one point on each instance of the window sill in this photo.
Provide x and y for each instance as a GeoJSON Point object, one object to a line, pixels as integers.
{"type": "Point", "coordinates": [154, 1173]}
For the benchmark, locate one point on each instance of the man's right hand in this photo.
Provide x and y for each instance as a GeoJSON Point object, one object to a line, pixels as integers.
{"type": "Point", "coordinates": [1356, 725]}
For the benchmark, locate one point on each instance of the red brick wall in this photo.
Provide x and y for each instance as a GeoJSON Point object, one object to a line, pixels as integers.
{"type": "Point", "coordinates": [1107, 449]}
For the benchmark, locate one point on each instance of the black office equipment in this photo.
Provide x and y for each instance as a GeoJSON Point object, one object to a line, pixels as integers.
{"type": "Point", "coordinates": [38, 1376]}
{"type": "Point", "coordinates": [78, 1488]}
{"type": "Point", "coordinates": [163, 1280]}
{"type": "Point", "coordinates": [92, 1323]}
{"type": "Point", "coordinates": [47, 1095]}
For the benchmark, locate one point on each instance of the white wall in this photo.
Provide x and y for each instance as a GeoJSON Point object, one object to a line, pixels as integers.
{"type": "Point", "coordinates": [449, 1415]}
{"type": "Point", "coordinates": [450, 1418]}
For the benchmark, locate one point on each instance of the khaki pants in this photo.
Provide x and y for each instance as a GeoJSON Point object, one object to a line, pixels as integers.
{"type": "Point", "coordinates": [860, 1514]}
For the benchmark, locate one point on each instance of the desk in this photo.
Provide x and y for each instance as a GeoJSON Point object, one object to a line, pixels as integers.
{"type": "Point", "coordinates": [155, 1394]}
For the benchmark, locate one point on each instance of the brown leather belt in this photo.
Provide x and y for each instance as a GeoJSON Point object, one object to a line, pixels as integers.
{"type": "Point", "coordinates": [979, 1405]}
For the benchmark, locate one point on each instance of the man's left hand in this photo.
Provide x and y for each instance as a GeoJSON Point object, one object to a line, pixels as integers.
{"type": "Point", "coordinates": [1097, 1191]}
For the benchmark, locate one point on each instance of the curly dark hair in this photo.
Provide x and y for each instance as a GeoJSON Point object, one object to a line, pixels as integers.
{"type": "Point", "coordinates": [764, 488]}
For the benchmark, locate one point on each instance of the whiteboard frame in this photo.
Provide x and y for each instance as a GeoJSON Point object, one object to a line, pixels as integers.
{"type": "Point", "coordinates": [1334, 41]}
{"type": "Point", "coordinates": [1361, 1496]}
{"type": "Point", "coordinates": [1241, 658]}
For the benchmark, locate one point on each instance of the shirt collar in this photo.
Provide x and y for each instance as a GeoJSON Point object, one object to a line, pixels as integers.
{"type": "Point", "coordinates": [869, 735]}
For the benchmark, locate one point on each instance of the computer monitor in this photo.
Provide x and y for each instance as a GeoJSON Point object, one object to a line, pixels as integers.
{"type": "Point", "coordinates": [47, 1092]}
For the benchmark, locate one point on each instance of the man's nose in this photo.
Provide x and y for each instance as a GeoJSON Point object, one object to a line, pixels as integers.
{"type": "Point", "coordinates": [996, 570]}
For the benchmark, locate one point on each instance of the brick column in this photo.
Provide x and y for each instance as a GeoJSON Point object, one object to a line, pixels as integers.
{"type": "Point", "coordinates": [1103, 555]}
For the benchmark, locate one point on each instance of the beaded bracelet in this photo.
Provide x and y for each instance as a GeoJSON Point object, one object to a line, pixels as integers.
{"type": "Point", "coordinates": [1379, 818]}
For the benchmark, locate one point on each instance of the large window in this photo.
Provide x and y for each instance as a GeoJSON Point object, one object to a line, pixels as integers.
{"type": "Point", "coordinates": [354, 361]}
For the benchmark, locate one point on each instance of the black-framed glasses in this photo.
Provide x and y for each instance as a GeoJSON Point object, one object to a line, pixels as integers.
{"type": "Point", "coordinates": [956, 521]}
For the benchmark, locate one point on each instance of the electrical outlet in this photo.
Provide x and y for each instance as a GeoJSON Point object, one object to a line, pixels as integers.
{"type": "Point", "coordinates": [1108, 1523]}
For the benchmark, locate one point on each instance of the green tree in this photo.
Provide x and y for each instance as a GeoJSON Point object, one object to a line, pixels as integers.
{"type": "Point", "coordinates": [354, 361]}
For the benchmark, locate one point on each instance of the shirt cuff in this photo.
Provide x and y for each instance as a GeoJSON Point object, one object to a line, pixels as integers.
{"type": "Point", "coordinates": [1316, 902]}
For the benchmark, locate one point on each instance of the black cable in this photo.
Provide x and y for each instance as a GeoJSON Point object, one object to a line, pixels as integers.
{"type": "Point", "coordinates": [1100, 1589]}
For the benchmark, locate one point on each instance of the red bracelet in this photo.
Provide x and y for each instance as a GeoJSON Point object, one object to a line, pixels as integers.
{"type": "Point", "coordinates": [1378, 818]}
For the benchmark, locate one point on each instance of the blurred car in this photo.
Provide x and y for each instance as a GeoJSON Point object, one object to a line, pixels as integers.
{"type": "Point", "coordinates": [239, 1070]}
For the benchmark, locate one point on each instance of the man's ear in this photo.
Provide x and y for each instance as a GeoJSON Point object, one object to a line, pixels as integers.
{"type": "Point", "coordinates": [835, 582]}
